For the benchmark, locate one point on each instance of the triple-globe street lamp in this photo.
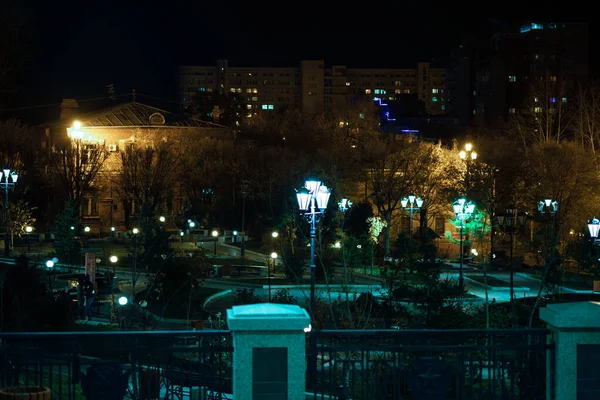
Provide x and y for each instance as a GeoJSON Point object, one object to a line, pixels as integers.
{"type": "Point", "coordinates": [311, 197]}
{"type": "Point", "coordinates": [463, 211]}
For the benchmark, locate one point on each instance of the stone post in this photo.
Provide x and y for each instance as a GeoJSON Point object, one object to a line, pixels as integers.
{"type": "Point", "coordinates": [269, 351]}
{"type": "Point", "coordinates": [572, 369]}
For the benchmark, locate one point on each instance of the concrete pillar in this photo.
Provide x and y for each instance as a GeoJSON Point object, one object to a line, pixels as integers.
{"type": "Point", "coordinates": [571, 371]}
{"type": "Point", "coordinates": [269, 351]}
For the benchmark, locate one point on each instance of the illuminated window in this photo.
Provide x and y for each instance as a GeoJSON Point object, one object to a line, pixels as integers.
{"type": "Point", "coordinates": [512, 78]}
{"type": "Point", "coordinates": [249, 106]}
{"type": "Point", "coordinates": [347, 83]}
{"type": "Point", "coordinates": [382, 91]}
{"type": "Point", "coordinates": [564, 99]}
{"type": "Point", "coordinates": [271, 106]}
{"type": "Point", "coordinates": [552, 78]}
{"type": "Point", "coordinates": [434, 90]}
{"type": "Point", "coordinates": [232, 90]}
{"type": "Point", "coordinates": [209, 89]}
{"type": "Point", "coordinates": [264, 107]}
{"type": "Point", "coordinates": [248, 90]}
{"type": "Point", "coordinates": [398, 91]}
{"type": "Point", "coordinates": [367, 91]}
{"type": "Point", "coordinates": [201, 89]}
{"type": "Point", "coordinates": [254, 90]}
{"type": "Point", "coordinates": [434, 99]}
{"type": "Point", "coordinates": [397, 83]}
{"type": "Point", "coordinates": [249, 115]}
{"type": "Point", "coordinates": [536, 99]}
{"type": "Point", "coordinates": [443, 108]}
{"type": "Point", "coordinates": [361, 116]}
{"type": "Point", "coordinates": [537, 109]}
{"type": "Point", "coordinates": [254, 98]}
{"type": "Point", "coordinates": [238, 90]}
{"type": "Point", "coordinates": [511, 110]}
{"type": "Point", "coordinates": [376, 91]}
{"type": "Point", "coordinates": [552, 99]}
{"type": "Point", "coordinates": [407, 91]}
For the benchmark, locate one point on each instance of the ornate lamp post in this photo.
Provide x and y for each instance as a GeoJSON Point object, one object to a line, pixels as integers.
{"type": "Point", "coordinates": [549, 207]}
{"type": "Point", "coordinates": [510, 222]}
{"type": "Point", "coordinates": [313, 196]}
{"type": "Point", "coordinates": [215, 234]}
{"type": "Point", "coordinates": [463, 211]}
{"type": "Point", "coordinates": [28, 229]}
{"type": "Point", "coordinates": [468, 155]}
{"type": "Point", "coordinates": [411, 204]}
{"type": "Point", "coordinates": [8, 179]}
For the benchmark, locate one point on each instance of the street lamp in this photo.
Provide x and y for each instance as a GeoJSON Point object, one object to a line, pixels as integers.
{"type": "Point", "coordinates": [468, 155]}
{"type": "Point", "coordinates": [510, 222]}
{"type": "Point", "coordinates": [463, 211]}
{"type": "Point", "coordinates": [162, 218]}
{"type": "Point", "coordinates": [123, 300]}
{"type": "Point", "coordinates": [411, 204]}
{"type": "Point", "coordinates": [549, 207]}
{"type": "Point", "coordinates": [313, 196]}
{"type": "Point", "coordinates": [8, 179]}
{"type": "Point", "coordinates": [215, 234]}
{"type": "Point", "coordinates": [28, 229]}
{"type": "Point", "coordinates": [594, 228]}
{"type": "Point", "coordinates": [275, 234]}
{"type": "Point", "coordinates": [269, 263]}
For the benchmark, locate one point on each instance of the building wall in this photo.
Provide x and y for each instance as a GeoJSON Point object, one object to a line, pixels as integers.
{"type": "Point", "coordinates": [313, 87]}
{"type": "Point", "coordinates": [105, 209]}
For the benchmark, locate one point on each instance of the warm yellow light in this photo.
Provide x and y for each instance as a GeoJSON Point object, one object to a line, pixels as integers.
{"type": "Point", "coordinates": [76, 125]}
{"type": "Point", "coordinates": [462, 154]}
{"type": "Point", "coordinates": [468, 147]}
{"type": "Point", "coordinates": [473, 155]}
{"type": "Point", "coordinates": [215, 233]}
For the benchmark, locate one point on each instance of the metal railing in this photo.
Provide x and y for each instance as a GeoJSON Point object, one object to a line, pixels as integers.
{"type": "Point", "coordinates": [119, 365]}
{"type": "Point", "coordinates": [427, 364]}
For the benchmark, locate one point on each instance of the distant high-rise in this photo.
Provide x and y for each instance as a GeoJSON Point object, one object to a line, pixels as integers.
{"type": "Point", "coordinates": [491, 79]}
{"type": "Point", "coordinates": [312, 87]}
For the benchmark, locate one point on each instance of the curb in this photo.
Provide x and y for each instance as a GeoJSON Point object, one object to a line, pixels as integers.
{"type": "Point", "coordinates": [214, 297]}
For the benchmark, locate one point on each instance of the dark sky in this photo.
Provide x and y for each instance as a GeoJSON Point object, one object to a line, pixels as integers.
{"type": "Point", "coordinates": [79, 48]}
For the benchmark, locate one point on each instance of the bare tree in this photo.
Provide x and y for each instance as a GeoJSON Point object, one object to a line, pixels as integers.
{"type": "Point", "coordinates": [546, 114]}
{"type": "Point", "coordinates": [147, 175]}
{"type": "Point", "coordinates": [587, 118]}
{"type": "Point", "coordinates": [397, 169]}
{"type": "Point", "coordinates": [75, 165]}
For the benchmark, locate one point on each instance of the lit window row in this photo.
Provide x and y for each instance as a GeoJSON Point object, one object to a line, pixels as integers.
{"type": "Point", "coordinates": [235, 90]}
{"type": "Point", "coordinates": [512, 78]}
{"type": "Point", "coordinates": [435, 90]}
{"type": "Point", "coordinates": [267, 107]}
{"type": "Point", "coordinates": [435, 99]}
{"type": "Point", "coordinates": [380, 91]}
{"type": "Point", "coordinates": [252, 90]}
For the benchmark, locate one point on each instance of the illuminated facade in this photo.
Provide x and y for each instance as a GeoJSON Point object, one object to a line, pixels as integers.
{"type": "Point", "coordinates": [120, 128]}
{"type": "Point", "coordinates": [312, 87]}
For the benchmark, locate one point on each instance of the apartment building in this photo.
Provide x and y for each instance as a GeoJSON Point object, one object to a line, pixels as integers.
{"type": "Point", "coordinates": [312, 87]}
{"type": "Point", "coordinates": [494, 78]}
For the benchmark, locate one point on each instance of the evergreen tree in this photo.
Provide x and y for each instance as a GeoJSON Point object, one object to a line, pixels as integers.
{"type": "Point", "coordinates": [66, 229]}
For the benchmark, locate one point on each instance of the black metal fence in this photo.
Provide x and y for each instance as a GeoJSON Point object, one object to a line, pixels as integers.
{"type": "Point", "coordinates": [118, 365]}
{"type": "Point", "coordinates": [427, 364]}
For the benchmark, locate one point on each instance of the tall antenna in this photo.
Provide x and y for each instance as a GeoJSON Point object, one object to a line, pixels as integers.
{"type": "Point", "coordinates": [111, 92]}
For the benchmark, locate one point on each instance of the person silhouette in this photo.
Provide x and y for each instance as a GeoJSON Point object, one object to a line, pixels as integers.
{"type": "Point", "coordinates": [89, 295]}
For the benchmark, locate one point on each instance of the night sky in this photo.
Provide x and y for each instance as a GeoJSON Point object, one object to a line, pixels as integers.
{"type": "Point", "coordinates": [78, 49]}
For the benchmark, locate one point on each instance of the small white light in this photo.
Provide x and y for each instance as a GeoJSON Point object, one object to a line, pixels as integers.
{"type": "Point", "coordinates": [113, 259]}
{"type": "Point", "coordinates": [86, 229]}
{"type": "Point", "coordinates": [112, 228]}
{"type": "Point", "coordinates": [192, 224]}
{"type": "Point", "coordinates": [135, 231]}
{"type": "Point", "coordinates": [181, 233]}
{"type": "Point", "coordinates": [235, 233]}
{"type": "Point", "coordinates": [338, 245]}
{"type": "Point", "coordinates": [28, 229]}
{"type": "Point", "coordinates": [162, 219]}
{"type": "Point", "coordinates": [49, 263]}
{"type": "Point", "coordinates": [122, 300]}
{"type": "Point", "coordinates": [215, 233]}
{"type": "Point", "coordinates": [308, 328]}
{"type": "Point", "coordinates": [273, 255]}
{"type": "Point", "coordinates": [275, 234]}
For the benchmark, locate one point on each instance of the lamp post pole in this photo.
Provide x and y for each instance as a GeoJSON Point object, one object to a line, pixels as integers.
{"type": "Point", "coordinates": [312, 196]}
{"type": "Point", "coordinates": [463, 211]}
{"type": "Point", "coordinates": [244, 192]}
{"type": "Point", "coordinates": [411, 204]}
{"type": "Point", "coordinates": [7, 179]}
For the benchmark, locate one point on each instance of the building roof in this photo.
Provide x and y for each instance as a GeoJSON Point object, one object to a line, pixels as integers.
{"type": "Point", "coordinates": [134, 114]}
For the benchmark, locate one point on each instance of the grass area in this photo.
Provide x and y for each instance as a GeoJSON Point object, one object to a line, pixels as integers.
{"type": "Point", "coordinates": [490, 281]}
{"type": "Point", "coordinates": [178, 305]}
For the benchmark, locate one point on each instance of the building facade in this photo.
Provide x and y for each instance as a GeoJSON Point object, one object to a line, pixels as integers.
{"type": "Point", "coordinates": [120, 128]}
{"type": "Point", "coordinates": [492, 79]}
{"type": "Point", "coordinates": [312, 87]}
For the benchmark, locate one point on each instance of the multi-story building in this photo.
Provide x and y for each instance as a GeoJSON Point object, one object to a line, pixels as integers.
{"type": "Point", "coordinates": [494, 78]}
{"type": "Point", "coordinates": [312, 87]}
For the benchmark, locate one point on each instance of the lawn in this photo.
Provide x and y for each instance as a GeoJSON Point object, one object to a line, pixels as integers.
{"type": "Point", "coordinates": [178, 305]}
{"type": "Point", "coordinates": [490, 280]}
